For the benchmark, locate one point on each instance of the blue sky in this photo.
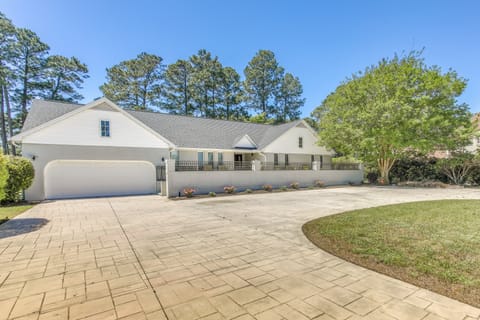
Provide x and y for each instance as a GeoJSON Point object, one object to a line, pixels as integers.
{"type": "Point", "coordinates": [321, 42]}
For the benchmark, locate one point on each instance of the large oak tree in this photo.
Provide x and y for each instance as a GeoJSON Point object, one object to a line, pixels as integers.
{"type": "Point", "coordinates": [392, 108]}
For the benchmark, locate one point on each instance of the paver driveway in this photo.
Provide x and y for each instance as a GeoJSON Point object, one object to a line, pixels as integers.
{"type": "Point", "coordinates": [241, 257]}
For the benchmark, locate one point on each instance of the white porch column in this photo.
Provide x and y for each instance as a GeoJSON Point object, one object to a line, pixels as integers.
{"type": "Point", "coordinates": [256, 165]}
{"type": "Point", "coordinates": [316, 165]}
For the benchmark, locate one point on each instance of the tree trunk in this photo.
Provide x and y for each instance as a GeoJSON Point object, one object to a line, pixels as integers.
{"type": "Point", "coordinates": [384, 166]}
{"type": "Point", "coordinates": [185, 95]}
{"type": "Point", "coordinates": [4, 129]}
{"type": "Point", "coordinates": [25, 90]}
{"type": "Point", "coordinates": [9, 118]}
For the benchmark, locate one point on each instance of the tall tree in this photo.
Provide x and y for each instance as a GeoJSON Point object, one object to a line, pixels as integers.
{"type": "Point", "coordinates": [178, 88]}
{"type": "Point", "coordinates": [231, 94]}
{"type": "Point", "coordinates": [392, 108]}
{"type": "Point", "coordinates": [62, 78]}
{"type": "Point", "coordinates": [289, 98]}
{"type": "Point", "coordinates": [7, 39]}
{"type": "Point", "coordinates": [135, 83]}
{"type": "Point", "coordinates": [29, 54]}
{"type": "Point", "coordinates": [207, 72]}
{"type": "Point", "coordinates": [263, 76]}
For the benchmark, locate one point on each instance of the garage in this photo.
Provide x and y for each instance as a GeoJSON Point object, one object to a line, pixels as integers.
{"type": "Point", "coordinates": [97, 178]}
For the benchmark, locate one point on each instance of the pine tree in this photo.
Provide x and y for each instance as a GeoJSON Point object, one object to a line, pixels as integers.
{"type": "Point", "coordinates": [231, 93]}
{"type": "Point", "coordinates": [178, 88]}
{"type": "Point", "coordinates": [289, 99]}
{"type": "Point", "coordinates": [136, 83]}
{"type": "Point", "coordinates": [263, 76]}
{"type": "Point", "coordinates": [206, 79]}
{"type": "Point", "coordinates": [62, 78]}
{"type": "Point", "coordinates": [29, 56]}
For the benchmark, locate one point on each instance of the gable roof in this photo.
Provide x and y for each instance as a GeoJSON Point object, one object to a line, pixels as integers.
{"type": "Point", "coordinates": [182, 131]}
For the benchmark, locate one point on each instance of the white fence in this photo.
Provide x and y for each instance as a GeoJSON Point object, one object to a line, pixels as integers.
{"type": "Point", "coordinates": [214, 181]}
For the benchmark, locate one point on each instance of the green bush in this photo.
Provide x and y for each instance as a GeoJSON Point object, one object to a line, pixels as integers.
{"type": "Point", "coordinates": [20, 177]}
{"type": "Point", "coordinates": [248, 191]}
{"type": "Point", "coordinates": [417, 168]}
{"type": "Point", "coordinates": [3, 176]}
{"type": "Point", "coordinates": [283, 188]}
{"type": "Point", "coordinates": [212, 194]}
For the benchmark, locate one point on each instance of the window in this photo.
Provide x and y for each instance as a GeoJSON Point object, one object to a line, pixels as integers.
{"type": "Point", "coordinates": [210, 158]}
{"type": "Point", "coordinates": [275, 159]}
{"type": "Point", "coordinates": [175, 155]}
{"type": "Point", "coordinates": [300, 142]}
{"type": "Point", "coordinates": [286, 159]}
{"type": "Point", "coordinates": [200, 160]}
{"type": "Point", "coordinates": [220, 158]}
{"type": "Point", "coordinates": [105, 128]}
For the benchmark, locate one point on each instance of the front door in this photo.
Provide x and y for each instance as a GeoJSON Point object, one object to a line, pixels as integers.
{"type": "Point", "coordinates": [238, 158]}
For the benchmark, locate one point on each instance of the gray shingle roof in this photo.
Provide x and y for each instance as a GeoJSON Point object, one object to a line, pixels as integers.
{"type": "Point", "coordinates": [43, 111]}
{"type": "Point", "coordinates": [183, 131]}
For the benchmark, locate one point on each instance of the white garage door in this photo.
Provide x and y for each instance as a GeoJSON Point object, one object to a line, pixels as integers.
{"type": "Point", "coordinates": [83, 178]}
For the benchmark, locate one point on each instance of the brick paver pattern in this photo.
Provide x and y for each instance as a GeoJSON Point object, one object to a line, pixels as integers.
{"type": "Point", "coordinates": [239, 257]}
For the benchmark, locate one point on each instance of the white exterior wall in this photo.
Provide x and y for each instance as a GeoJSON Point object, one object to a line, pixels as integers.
{"type": "Point", "coordinates": [288, 143]}
{"type": "Point", "coordinates": [192, 155]}
{"type": "Point", "coordinates": [45, 153]}
{"type": "Point", "coordinates": [214, 181]}
{"type": "Point", "coordinates": [84, 129]}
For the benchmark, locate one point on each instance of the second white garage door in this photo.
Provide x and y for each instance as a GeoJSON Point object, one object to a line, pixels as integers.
{"type": "Point", "coordinates": [85, 178]}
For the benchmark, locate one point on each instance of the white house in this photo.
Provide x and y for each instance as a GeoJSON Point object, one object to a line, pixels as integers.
{"type": "Point", "coordinates": [99, 149]}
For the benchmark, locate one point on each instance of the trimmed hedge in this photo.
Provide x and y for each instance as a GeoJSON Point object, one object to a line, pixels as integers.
{"type": "Point", "coordinates": [20, 177]}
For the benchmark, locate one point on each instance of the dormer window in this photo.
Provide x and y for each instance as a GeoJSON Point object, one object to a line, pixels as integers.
{"type": "Point", "coordinates": [105, 128]}
{"type": "Point", "coordinates": [300, 142]}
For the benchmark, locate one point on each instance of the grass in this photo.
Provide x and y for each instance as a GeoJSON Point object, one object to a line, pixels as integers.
{"type": "Point", "coordinates": [10, 211]}
{"type": "Point", "coordinates": [432, 244]}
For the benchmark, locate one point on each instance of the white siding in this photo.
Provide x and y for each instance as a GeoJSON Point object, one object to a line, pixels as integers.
{"type": "Point", "coordinates": [288, 143]}
{"type": "Point", "coordinates": [84, 129]}
{"type": "Point", "coordinates": [191, 155]}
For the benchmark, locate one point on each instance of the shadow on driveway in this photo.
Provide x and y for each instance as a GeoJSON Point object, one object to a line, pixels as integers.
{"type": "Point", "coordinates": [20, 226]}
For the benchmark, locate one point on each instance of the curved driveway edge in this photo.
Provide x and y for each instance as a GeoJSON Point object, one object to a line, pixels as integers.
{"type": "Point", "coordinates": [240, 257]}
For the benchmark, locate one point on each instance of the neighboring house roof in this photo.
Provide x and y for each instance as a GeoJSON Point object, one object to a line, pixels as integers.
{"type": "Point", "coordinates": [183, 131]}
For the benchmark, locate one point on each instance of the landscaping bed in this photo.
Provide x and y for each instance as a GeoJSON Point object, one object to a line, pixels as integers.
{"type": "Point", "coordinates": [266, 189]}
{"type": "Point", "coordinates": [10, 211]}
{"type": "Point", "coordinates": [432, 244]}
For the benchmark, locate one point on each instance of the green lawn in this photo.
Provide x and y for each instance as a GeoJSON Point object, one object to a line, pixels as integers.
{"type": "Point", "coordinates": [433, 244]}
{"type": "Point", "coordinates": [8, 212]}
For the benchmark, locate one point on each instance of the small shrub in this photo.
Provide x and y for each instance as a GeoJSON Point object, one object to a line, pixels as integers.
{"type": "Point", "coordinates": [311, 187]}
{"type": "Point", "coordinates": [319, 184]}
{"type": "Point", "coordinates": [267, 187]}
{"type": "Point", "coordinates": [212, 194]}
{"type": "Point", "coordinates": [295, 185]}
{"type": "Point", "coordinates": [229, 189]}
{"type": "Point", "coordinates": [3, 175]}
{"type": "Point", "coordinates": [20, 177]}
{"type": "Point", "coordinates": [283, 188]}
{"type": "Point", "coordinates": [188, 192]}
{"type": "Point", "coordinates": [248, 191]}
